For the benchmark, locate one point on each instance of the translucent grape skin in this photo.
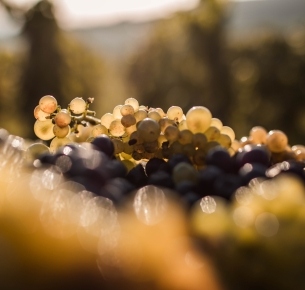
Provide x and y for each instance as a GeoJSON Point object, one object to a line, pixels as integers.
{"type": "Point", "coordinates": [78, 105]}
{"type": "Point", "coordinates": [198, 119]}
{"type": "Point", "coordinates": [40, 114]}
{"type": "Point", "coordinates": [276, 141]}
{"type": "Point", "coordinates": [44, 129]}
{"type": "Point", "coordinates": [48, 104]}
{"type": "Point", "coordinates": [175, 113]}
{"type": "Point", "coordinates": [62, 118]}
{"type": "Point", "coordinates": [149, 130]}
{"type": "Point", "coordinates": [61, 132]}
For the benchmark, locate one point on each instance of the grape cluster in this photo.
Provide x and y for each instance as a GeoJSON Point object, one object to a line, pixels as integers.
{"type": "Point", "coordinates": [193, 154]}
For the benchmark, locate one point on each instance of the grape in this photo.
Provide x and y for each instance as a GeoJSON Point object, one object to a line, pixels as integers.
{"type": "Point", "coordinates": [228, 131]}
{"type": "Point", "coordinates": [149, 130]}
{"type": "Point", "coordinates": [184, 171]}
{"type": "Point", "coordinates": [212, 133]}
{"type": "Point", "coordinates": [199, 157]}
{"type": "Point", "coordinates": [107, 119]}
{"type": "Point", "coordinates": [56, 143]}
{"type": "Point", "coordinates": [78, 105]}
{"type": "Point", "coordinates": [104, 144]}
{"type": "Point", "coordinates": [171, 133]}
{"type": "Point", "coordinates": [161, 112]}
{"type": "Point", "coordinates": [62, 118]}
{"type": "Point", "coordinates": [117, 112]}
{"type": "Point", "coordinates": [151, 147]}
{"type": "Point", "coordinates": [186, 137]}
{"type": "Point", "coordinates": [61, 132]}
{"type": "Point", "coordinates": [118, 146]}
{"type": "Point", "coordinates": [40, 114]}
{"type": "Point", "coordinates": [34, 151]}
{"type": "Point", "coordinates": [153, 114]}
{"type": "Point", "coordinates": [258, 135]}
{"type": "Point", "coordinates": [116, 128]}
{"type": "Point", "coordinates": [127, 110]}
{"type": "Point", "coordinates": [132, 102]}
{"type": "Point", "coordinates": [128, 120]}
{"type": "Point", "coordinates": [164, 122]}
{"type": "Point", "coordinates": [199, 140]}
{"type": "Point", "coordinates": [276, 141]}
{"type": "Point", "coordinates": [216, 123]}
{"type": "Point", "coordinates": [48, 104]}
{"type": "Point", "coordinates": [131, 129]}
{"type": "Point", "coordinates": [140, 115]}
{"type": "Point", "coordinates": [44, 129]}
{"type": "Point", "coordinates": [198, 119]}
{"type": "Point", "coordinates": [175, 113]}
{"type": "Point", "coordinates": [182, 125]}
{"type": "Point", "coordinates": [98, 130]}
{"type": "Point", "coordinates": [224, 140]}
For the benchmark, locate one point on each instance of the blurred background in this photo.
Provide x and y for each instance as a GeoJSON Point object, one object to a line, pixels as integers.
{"type": "Point", "coordinates": [244, 60]}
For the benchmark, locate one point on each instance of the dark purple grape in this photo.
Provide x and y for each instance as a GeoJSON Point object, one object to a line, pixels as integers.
{"type": "Point", "coordinates": [250, 171]}
{"type": "Point", "coordinates": [220, 157]}
{"type": "Point", "coordinates": [137, 176]}
{"type": "Point", "coordinates": [153, 165]}
{"type": "Point", "coordinates": [162, 179]}
{"type": "Point", "coordinates": [226, 185]}
{"type": "Point", "coordinates": [207, 178]}
{"type": "Point", "coordinates": [104, 144]}
{"type": "Point", "coordinates": [253, 154]}
{"type": "Point", "coordinates": [185, 187]}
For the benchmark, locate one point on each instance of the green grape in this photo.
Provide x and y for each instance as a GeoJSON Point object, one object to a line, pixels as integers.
{"type": "Point", "coordinates": [149, 130]}
{"type": "Point", "coordinates": [224, 140]}
{"type": "Point", "coordinates": [78, 105]}
{"type": "Point", "coordinates": [48, 104]}
{"type": "Point", "coordinates": [184, 172]}
{"type": "Point", "coordinates": [62, 118]}
{"type": "Point", "coordinates": [132, 102]}
{"type": "Point", "coordinates": [61, 132]}
{"type": "Point", "coordinates": [175, 113]}
{"type": "Point", "coordinates": [171, 133]}
{"type": "Point", "coordinates": [116, 128]}
{"type": "Point", "coordinates": [161, 112]}
{"type": "Point", "coordinates": [198, 119]}
{"type": "Point", "coordinates": [182, 125]}
{"type": "Point", "coordinates": [127, 110]}
{"type": "Point", "coordinates": [98, 130]}
{"type": "Point", "coordinates": [131, 129]}
{"type": "Point", "coordinates": [58, 142]}
{"type": "Point", "coordinates": [40, 114]}
{"type": "Point", "coordinates": [44, 129]}
{"type": "Point", "coordinates": [276, 141]}
{"type": "Point", "coordinates": [128, 120]}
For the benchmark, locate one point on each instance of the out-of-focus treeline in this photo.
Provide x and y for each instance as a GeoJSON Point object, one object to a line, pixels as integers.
{"type": "Point", "coordinates": [189, 59]}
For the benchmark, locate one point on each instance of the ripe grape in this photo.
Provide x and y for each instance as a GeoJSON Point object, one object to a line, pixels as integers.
{"type": "Point", "coordinates": [171, 133]}
{"type": "Point", "coordinates": [258, 135]}
{"type": "Point", "coordinates": [62, 118]}
{"type": "Point", "coordinates": [58, 142]}
{"type": "Point", "coordinates": [140, 115]}
{"type": "Point", "coordinates": [116, 128]}
{"type": "Point", "coordinates": [132, 102]}
{"type": "Point", "coordinates": [228, 131]}
{"type": "Point", "coordinates": [78, 105]}
{"type": "Point", "coordinates": [40, 114]}
{"type": "Point", "coordinates": [276, 141]}
{"type": "Point", "coordinates": [128, 120]}
{"type": "Point", "coordinates": [107, 119]}
{"type": "Point", "coordinates": [198, 119]}
{"type": "Point", "coordinates": [186, 137]}
{"type": "Point", "coordinates": [149, 130]}
{"type": "Point", "coordinates": [175, 113]}
{"type": "Point", "coordinates": [48, 104]}
{"type": "Point", "coordinates": [212, 133]}
{"type": "Point", "coordinates": [61, 132]}
{"type": "Point", "coordinates": [127, 110]}
{"type": "Point", "coordinates": [98, 130]}
{"type": "Point", "coordinates": [216, 123]}
{"type": "Point", "coordinates": [117, 112]}
{"type": "Point", "coordinates": [44, 129]}
{"type": "Point", "coordinates": [153, 114]}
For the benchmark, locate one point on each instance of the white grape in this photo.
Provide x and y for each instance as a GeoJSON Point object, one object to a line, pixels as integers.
{"type": "Point", "coordinates": [198, 119]}
{"type": "Point", "coordinates": [58, 142]}
{"type": "Point", "coordinates": [132, 102]}
{"type": "Point", "coordinates": [78, 105]}
{"type": "Point", "coordinates": [153, 114]}
{"type": "Point", "coordinates": [140, 115]}
{"type": "Point", "coordinates": [216, 123]}
{"type": "Point", "coordinates": [258, 135]}
{"type": "Point", "coordinates": [34, 151]}
{"type": "Point", "coordinates": [40, 114]}
{"type": "Point", "coordinates": [107, 119]}
{"type": "Point", "coordinates": [276, 141]}
{"type": "Point", "coordinates": [116, 128]}
{"type": "Point", "coordinates": [175, 113]}
{"type": "Point", "coordinates": [127, 110]}
{"type": "Point", "coordinates": [128, 120]}
{"type": "Point", "coordinates": [44, 129]}
{"type": "Point", "coordinates": [48, 104]}
{"type": "Point", "coordinates": [228, 131]}
{"type": "Point", "coordinates": [117, 112]}
{"type": "Point", "coordinates": [98, 130]}
{"type": "Point", "coordinates": [61, 132]}
{"type": "Point", "coordinates": [171, 133]}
